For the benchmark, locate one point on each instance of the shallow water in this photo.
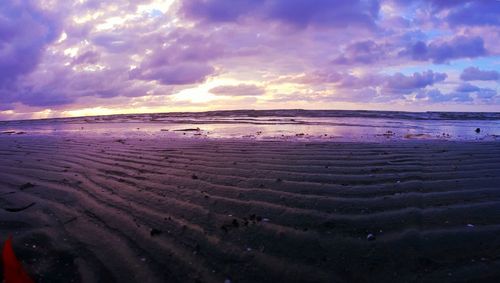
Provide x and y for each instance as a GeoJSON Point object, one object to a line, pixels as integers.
{"type": "Point", "coordinates": [274, 124]}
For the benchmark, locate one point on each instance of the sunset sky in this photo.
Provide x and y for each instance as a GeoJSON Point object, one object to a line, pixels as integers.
{"type": "Point", "coordinates": [86, 57]}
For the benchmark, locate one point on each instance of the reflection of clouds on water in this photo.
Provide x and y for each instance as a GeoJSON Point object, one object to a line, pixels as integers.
{"type": "Point", "coordinates": [308, 125]}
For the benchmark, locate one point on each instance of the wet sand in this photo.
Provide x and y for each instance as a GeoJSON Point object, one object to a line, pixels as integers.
{"type": "Point", "coordinates": [187, 210]}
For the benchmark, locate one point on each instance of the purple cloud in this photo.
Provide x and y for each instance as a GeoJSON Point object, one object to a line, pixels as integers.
{"type": "Point", "coordinates": [397, 84]}
{"type": "Point", "coordinates": [482, 94]}
{"type": "Point", "coordinates": [406, 84]}
{"type": "Point", "coordinates": [238, 90]}
{"type": "Point", "coordinates": [474, 74]}
{"type": "Point", "coordinates": [299, 13]}
{"type": "Point", "coordinates": [117, 50]}
{"type": "Point", "coordinates": [461, 12]}
{"type": "Point", "coordinates": [444, 51]}
{"type": "Point", "coordinates": [88, 57]}
{"type": "Point", "coordinates": [436, 96]}
{"type": "Point", "coordinates": [362, 52]}
{"type": "Point", "coordinates": [467, 88]}
{"type": "Point", "coordinates": [25, 31]}
{"type": "Point", "coordinates": [184, 60]}
{"type": "Point", "coordinates": [479, 12]}
{"type": "Point", "coordinates": [185, 73]}
{"type": "Point", "coordinates": [486, 94]}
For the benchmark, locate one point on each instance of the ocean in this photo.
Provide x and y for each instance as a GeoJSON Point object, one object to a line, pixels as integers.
{"type": "Point", "coordinates": [299, 125]}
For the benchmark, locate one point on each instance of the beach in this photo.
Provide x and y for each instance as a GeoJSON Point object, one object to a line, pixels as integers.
{"type": "Point", "coordinates": [153, 209]}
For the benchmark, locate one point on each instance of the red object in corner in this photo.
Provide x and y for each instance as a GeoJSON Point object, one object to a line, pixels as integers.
{"type": "Point", "coordinates": [13, 271]}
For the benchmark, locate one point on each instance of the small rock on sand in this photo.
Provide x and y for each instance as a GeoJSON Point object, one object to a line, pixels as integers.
{"type": "Point", "coordinates": [478, 130]}
{"type": "Point", "coordinates": [370, 237]}
{"type": "Point", "coordinates": [155, 232]}
{"type": "Point", "coordinates": [26, 186]}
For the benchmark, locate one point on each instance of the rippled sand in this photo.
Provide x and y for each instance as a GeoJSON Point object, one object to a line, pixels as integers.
{"type": "Point", "coordinates": [185, 210]}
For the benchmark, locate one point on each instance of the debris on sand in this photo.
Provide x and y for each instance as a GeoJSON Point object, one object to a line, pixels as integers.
{"type": "Point", "coordinates": [17, 209]}
{"type": "Point", "coordinates": [188, 130]}
{"type": "Point", "coordinates": [235, 223]}
{"type": "Point", "coordinates": [12, 133]}
{"type": "Point", "coordinates": [470, 225]}
{"type": "Point", "coordinates": [370, 237]}
{"type": "Point", "coordinates": [194, 177]}
{"type": "Point", "coordinates": [26, 186]}
{"type": "Point", "coordinates": [417, 136]}
{"type": "Point", "coordinates": [155, 232]}
{"type": "Point", "coordinates": [388, 134]}
{"type": "Point", "coordinates": [478, 130]}
{"type": "Point", "coordinates": [255, 218]}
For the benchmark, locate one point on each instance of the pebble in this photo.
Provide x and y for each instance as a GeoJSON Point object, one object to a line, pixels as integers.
{"type": "Point", "coordinates": [370, 237]}
{"type": "Point", "coordinates": [154, 232]}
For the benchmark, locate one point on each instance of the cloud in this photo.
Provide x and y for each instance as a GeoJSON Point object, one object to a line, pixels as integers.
{"type": "Point", "coordinates": [238, 90]}
{"type": "Point", "coordinates": [467, 88]}
{"type": "Point", "coordinates": [88, 57]}
{"type": "Point", "coordinates": [181, 74]}
{"type": "Point", "coordinates": [362, 52]}
{"type": "Point", "coordinates": [443, 51]}
{"type": "Point", "coordinates": [183, 59]}
{"type": "Point", "coordinates": [474, 74]}
{"type": "Point", "coordinates": [475, 13]}
{"type": "Point", "coordinates": [465, 93]}
{"type": "Point", "coordinates": [397, 83]}
{"type": "Point", "coordinates": [460, 12]}
{"type": "Point", "coordinates": [325, 50]}
{"type": "Point", "coordinates": [405, 84]}
{"type": "Point", "coordinates": [25, 31]}
{"type": "Point", "coordinates": [482, 94]}
{"type": "Point", "coordinates": [298, 13]}
{"type": "Point", "coordinates": [436, 96]}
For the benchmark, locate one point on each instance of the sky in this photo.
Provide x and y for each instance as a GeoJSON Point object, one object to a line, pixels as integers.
{"type": "Point", "coordinates": [61, 58]}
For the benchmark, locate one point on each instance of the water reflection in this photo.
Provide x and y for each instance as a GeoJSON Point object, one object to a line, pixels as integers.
{"type": "Point", "coordinates": [275, 127]}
